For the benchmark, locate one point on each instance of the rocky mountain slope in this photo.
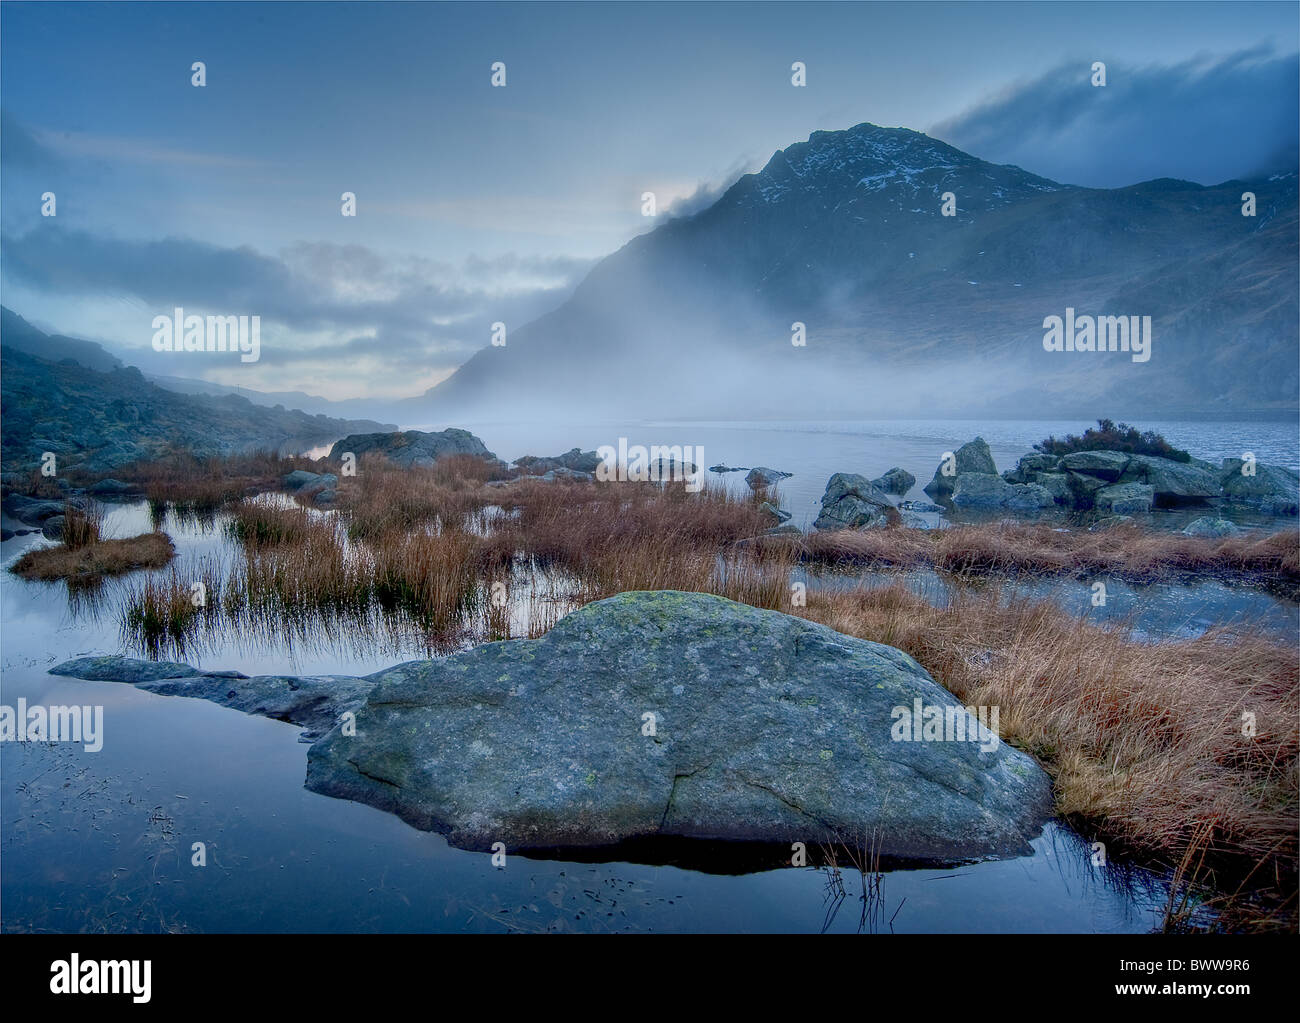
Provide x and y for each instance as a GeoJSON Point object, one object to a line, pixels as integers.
{"type": "Point", "coordinates": [907, 309]}
{"type": "Point", "coordinates": [97, 421]}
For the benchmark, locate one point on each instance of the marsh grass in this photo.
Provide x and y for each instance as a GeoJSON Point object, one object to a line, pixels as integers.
{"type": "Point", "coordinates": [1144, 740]}
{"type": "Point", "coordinates": [1125, 552]}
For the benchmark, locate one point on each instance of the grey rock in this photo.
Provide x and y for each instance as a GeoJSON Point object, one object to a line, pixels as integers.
{"type": "Point", "coordinates": [31, 511]}
{"type": "Point", "coordinates": [895, 481]}
{"type": "Point", "coordinates": [313, 702]}
{"type": "Point", "coordinates": [973, 456]}
{"type": "Point", "coordinates": [853, 502]}
{"type": "Point", "coordinates": [301, 479]}
{"type": "Point", "coordinates": [723, 467]}
{"type": "Point", "coordinates": [1272, 489]}
{"type": "Point", "coordinates": [909, 520]}
{"type": "Point", "coordinates": [769, 728]}
{"type": "Point", "coordinates": [6, 534]}
{"type": "Point", "coordinates": [1104, 465]}
{"type": "Point", "coordinates": [787, 529]}
{"type": "Point", "coordinates": [1173, 482]}
{"type": "Point", "coordinates": [1057, 484]}
{"type": "Point", "coordinates": [1212, 527]}
{"type": "Point", "coordinates": [112, 487]}
{"type": "Point", "coordinates": [771, 510]}
{"type": "Point", "coordinates": [1109, 522]}
{"type": "Point", "coordinates": [52, 528]}
{"type": "Point", "coordinates": [761, 476]}
{"type": "Point", "coordinates": [1124, 498]}
{"type": "Point", "coordinates": [988, 490]}
{"type": "Point", "coordinates": [575, 460]}
{"type": "Point", "coordinates": [412, 447]}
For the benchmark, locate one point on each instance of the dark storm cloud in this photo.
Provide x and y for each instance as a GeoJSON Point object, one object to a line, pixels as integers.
{"type": "Point", "coordinates": [1205, 120]}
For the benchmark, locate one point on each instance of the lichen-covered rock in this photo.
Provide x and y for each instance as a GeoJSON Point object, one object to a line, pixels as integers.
{"type": "Point", "coordinates": [766, 727]}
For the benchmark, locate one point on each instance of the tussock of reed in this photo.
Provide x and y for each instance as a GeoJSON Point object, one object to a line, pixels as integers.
{"type": "Point", "coordinates": [93, 561]}
{"type": "Point", "coordinates": [82, 523]}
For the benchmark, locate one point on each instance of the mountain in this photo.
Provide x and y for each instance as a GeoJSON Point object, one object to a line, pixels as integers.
{"type": "Point", "coordinates": [98, 420]}
{"type": "Point", "coordinates": [909, 311]}
{"type": "Point", "coordinates": [359, 407]}
{"type": "Point", "coordinates": [18, 334]}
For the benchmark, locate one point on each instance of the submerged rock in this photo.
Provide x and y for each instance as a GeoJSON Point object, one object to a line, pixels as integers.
{"type": "Point", "coordinates": [766, 728]}
{"type": "Point", "coordinates": [761, 476]}
{"type": "Point", "coordinates": [314, 702]}
{"type": "Point", "coordinates": [1209, 526]}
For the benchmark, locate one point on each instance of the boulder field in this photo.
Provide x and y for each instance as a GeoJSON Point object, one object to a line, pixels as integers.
{"type": "Point", "coordinates": [1112, 483]}
{"type": "Point", "coordinates": [652, 714]}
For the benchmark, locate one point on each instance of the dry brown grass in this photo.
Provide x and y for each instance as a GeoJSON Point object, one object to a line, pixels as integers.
{"type": "Point", "coordinates": [96, 560]}
{"type": "Point", "coordinates": [203, 485]}
{"type": "Point", "coordinates": [1144, 741]}
{"type": "Point", "coordinates": [1126, 552]}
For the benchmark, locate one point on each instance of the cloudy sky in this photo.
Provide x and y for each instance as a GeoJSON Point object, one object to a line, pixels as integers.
{"type": "Point", "coordinates": [477, 204]}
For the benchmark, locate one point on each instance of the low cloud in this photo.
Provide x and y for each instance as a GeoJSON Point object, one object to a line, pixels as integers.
{"type": "Point", "coordinates": [1206, 120]}
{"type": "Point", "coordinates": [383, 320]}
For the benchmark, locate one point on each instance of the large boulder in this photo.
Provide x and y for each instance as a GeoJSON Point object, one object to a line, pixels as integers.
{"type": "Point", "coordinates": [1124, 498]}
{"type": "Point", "coordinates": [895, 481]}
{"type": "Point", "coordinates": [988, 490]}
{"type": "Point", "coordinates": [766, 728]}
{"type": "Point", "coordinates": [1272, 489]}
{"type": "Point", "coordinates": [973, 456]}
{"type": "Point", "coordinates": [412, 447]}
{"type": "Point", "coordinates": [1173, 483]}
{"type": "Point", "coordinates": [660, 714]}
{"type": "Point", "coordinates": [852, 501]}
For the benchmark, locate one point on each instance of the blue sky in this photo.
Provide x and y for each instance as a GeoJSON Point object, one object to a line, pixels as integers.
{"type": "Point", "coordinates": [478, 203]}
